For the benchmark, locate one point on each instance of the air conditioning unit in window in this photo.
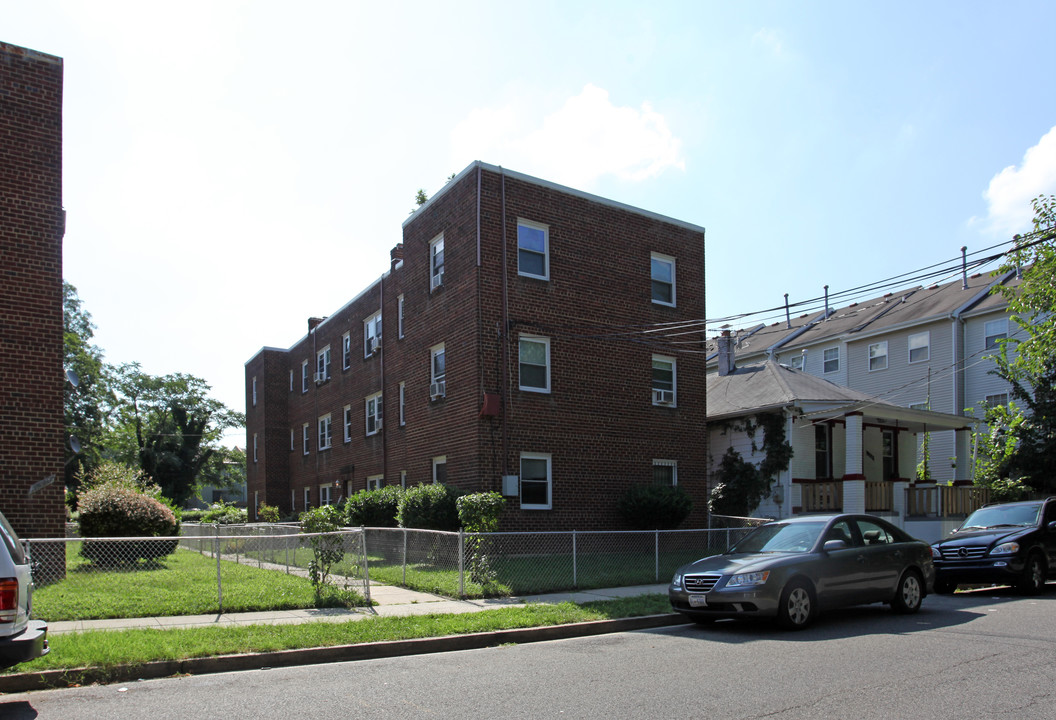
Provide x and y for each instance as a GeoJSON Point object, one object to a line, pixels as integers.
{"type": "Point", "coordinates": [321, 377]}
{"type": "Point", "coordinates": [437, 280]}
{"type": "Point", "coordinates": [372, 345]}
{"type": "Point", "coordinates": [437, 390]}
{"type": "Point", "coordinates": [377, 424]}
{"type": "Point", "coordinates": [664, 397]}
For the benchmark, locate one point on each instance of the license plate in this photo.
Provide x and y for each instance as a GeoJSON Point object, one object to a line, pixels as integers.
{"type": "Point", "coordinates": [698, 600]}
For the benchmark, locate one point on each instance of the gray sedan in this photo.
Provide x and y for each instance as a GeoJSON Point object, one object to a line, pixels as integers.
{"type": "Point", "coordinates": [791, 569]}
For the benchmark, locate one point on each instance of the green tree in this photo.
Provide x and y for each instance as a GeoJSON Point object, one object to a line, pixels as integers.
{"type": "Point", "coordinates": [83, 404]}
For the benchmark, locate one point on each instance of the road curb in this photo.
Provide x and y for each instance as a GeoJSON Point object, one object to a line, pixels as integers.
{"type": "Point", "coordinates": [56, 679]}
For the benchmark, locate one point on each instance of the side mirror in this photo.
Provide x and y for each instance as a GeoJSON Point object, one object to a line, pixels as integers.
{"type": "Point", "coordinates": [831, 545]}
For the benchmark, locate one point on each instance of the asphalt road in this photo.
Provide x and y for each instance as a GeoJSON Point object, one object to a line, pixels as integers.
{"type": "Point", "coordinates": [987, 654]}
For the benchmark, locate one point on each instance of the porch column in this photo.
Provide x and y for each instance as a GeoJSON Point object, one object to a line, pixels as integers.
{"type": "Point", "coordinates": [854, 478]}
{"type": "Point", "coordinates": [962, 451]}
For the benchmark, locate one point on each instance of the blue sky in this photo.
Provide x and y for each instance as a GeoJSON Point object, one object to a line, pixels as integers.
{"type": "Point", "coordinates": [232, 168]}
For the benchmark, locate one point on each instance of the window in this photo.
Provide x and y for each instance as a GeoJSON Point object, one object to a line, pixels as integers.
{"type": "Point", "coordinates": [796, 361]}
{"type": "Point", "coordinates": [348, 423]}
{"type": "Point", "coordinates": [375, 482]}
{"type": "Point", "coordinates": [346, 350]}
{"type": "Point", "coordinates": [665, 472]}
{"type": "Point", "coordinates": [374, 411]}
{"type": "Point", "coordinates": [254, 391]}
{"type": "Point", "coordinates": [994, 331]}
{"type": "Point", "coordinates": [919, 347]}
{"type": "Point", "coordinates": [322, 365]}
{"type": "Point", "coordinates": [291, 380]}
{"type": "Point", "coordinates": [874, 533]}
{"type": "Point", "coordinates": [324, 494]}
{"type": "Point", "coordinates": [830, 360]}
{"type": "Point", "coordinates": [878, 356]}
{"type": "Point", "coordinates": [403, 404]}
{"type": "Point", "coordinates": [436, 262]}
{"type": "Point", "coordinates": [889, 454]}
{"type": "Point", "coordinates": [307, 498]}
{"type": "Point", "coordinates": [535, 481]}
{"type": "Point", "coordinates": [534, 355]}
{"type": "Point", "coordinates": [437, 372]}
{"type": "Point", "coordinates": [399, 317]}
{"type": "Point", "coordinates": [663, 274]}
{"type": "Point", "coordinates": [440, 470]}
{"type": "Point", "coordinates": [371, 334]}
{"type": "Point", "coordinates": [822, 457]}
{"type": "Point", "coordinates": [995, 400]}
{"type": "Point", "coordinates": [325, 436]}
{"type": "Point", "coordinates": [304, 438]}
{"type": "Point", "coordinates": [533, 250]}
{"type": "Point", "coordinates": [403, 478]}
{"type": "Point", "coordinates": [304, 376]}
{"type": "Point", "coordinates": [293, 440]}
{"type": "Point", "coordinates": [254, 447]}
{"type": "Point", "coordinates": [663, 380]}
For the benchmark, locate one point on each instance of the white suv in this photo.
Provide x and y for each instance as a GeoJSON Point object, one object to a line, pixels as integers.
{"type": "Point", "coordinates": [21, 639]}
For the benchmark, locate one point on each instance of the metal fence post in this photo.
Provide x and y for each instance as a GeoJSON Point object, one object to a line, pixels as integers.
{"type": "Point", "coordinates": [219, 584]}
{"type": "Point", "coordinates": [461, 563]}
{"type": "Point", "coordinates": [657, 555]}
{"type": "Point", "coordinates": [575, 574]}
{"type": "Point", "coordinates": [405, 557]}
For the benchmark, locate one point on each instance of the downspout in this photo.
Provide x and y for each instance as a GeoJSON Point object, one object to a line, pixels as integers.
{"type": "Point", "coordinates": [381, 361]}
{"type": "Point", "coordinates": [505, 338]}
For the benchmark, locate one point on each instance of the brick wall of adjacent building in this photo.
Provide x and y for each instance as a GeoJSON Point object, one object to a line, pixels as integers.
{"type": "Point", "coordinates": [31, 230]}
{"type": "Point", "coordinates": [597, 423]}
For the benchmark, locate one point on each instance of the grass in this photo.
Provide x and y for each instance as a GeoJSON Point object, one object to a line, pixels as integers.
{"type": "Point", "coordinates": [184, 583]}
{"type": "Point", "coordinates": [104, 649]}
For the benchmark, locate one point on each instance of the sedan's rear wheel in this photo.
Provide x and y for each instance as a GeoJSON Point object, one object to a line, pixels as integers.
{"type": "Point", "coordinates": [909, 593]}
{"type": "Point", "coordinates": [797, 606]}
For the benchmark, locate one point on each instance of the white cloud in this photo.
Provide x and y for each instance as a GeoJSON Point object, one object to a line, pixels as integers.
{"type": "Point", "coordinates": [770, 40]}
{"type": "Point", "coordinates": [584, 140]}
{"type": "Point", "coordinates": [1011, 190]}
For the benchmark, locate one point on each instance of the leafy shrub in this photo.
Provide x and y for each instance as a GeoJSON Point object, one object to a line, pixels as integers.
{"type": "Point", "coordinates": [654, 507]}
{"type": "Point", "coordinates": [225, 514]}
{"type": "Point", "coordinates": [327, 550]}
{"type": "Point", "coordinates": [480, 513]}
{"type": "Point", "coordinates": [268, 513]}
{"type": "Point", "coordinates": [374, 508]}
{"type": "Point", "coordinates": [429, 507]}
{"type": "Point", "coordinates": [115, 506]}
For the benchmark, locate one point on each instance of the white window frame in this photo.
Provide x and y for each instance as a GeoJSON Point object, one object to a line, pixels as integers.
{"type": "Point", "coordinates": [304, 376]}
{"type": "Point", "coordinates": [996, 399]}
{"type": "Point", "coordinates": [828, 364]}
{"type": "Point", "coordinates": [438, 461]}
{"type": "Point", "coordinates": [346, 350]}
{"type": "Point", "coordinates": [403, 403]}
{"type": "Point", "coordinates": [307, 498]}
{"type": "Point", "coordinates": [372, 330]}
{"type": "Point", "coordinates": [437, 380]}
{"type": "Point", "coordinates": [374, 408]}
{"type": "Point", "coordinates": [375, 482]}
{"type": "Point", "coordinates": [545, 229]}
{"type": "Point", "coordinates": [875, 357]}
{"type": "Point", "coordinates": [797, 361]}
{"type": "Point", "coordinates": [254, 447]}
{"type": "Point", "coordinates": [348, 423]}
{"type": "Point", "coordinates": [436, 262]}
{"type": "Point", "coordinates": [326, 437]}
{"type": "Point", "coordinates": [915, 343]}
{"type": "Point", "coordinates": [305, 439]}
{"type": "Point", "coordinates": [990, 337]}
{"type": "Point", "coordinates": [673, 464]}
{"type": "Point", "coordinates": [549, 504]}
{"type": "Point", "coordinates": [322, 365]}
{"type": "Point", "coordinates": [254, 391]}
{"type": "Point", "coordinates": [670, 262]}
{"type": "Point", "coordinates": [399, 316]}
{"type": "Point", "coordinates": [325, 496]}
{"type": "Point", "coordinates": [538, 339]}
{"type": "Point", "coordinates": [665, 396]}
{"type": "Point", "coordinates": [293, 439]}
{"type": "Point", "coordinates": [291, 379]}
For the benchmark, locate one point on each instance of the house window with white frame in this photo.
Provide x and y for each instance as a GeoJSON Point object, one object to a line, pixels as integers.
{"type": "Point", "coordinates": [304, 376]}
{"type": "Point", "coordinates": [436, 262]}
{"type": "Point", "coordinates": [403, 479]}
{"type": "Point", "coordinates": [440, 470]}
{"type": "Point", "coordinates": [307, 498]}
{"type": "Point", "coordinates": [664, 380]}
{"type": "Point", "coordinates": [830, 360]}
{"type": "Point", "coordinates": [375, 482]}
{"type": "Point", "coordinates": [325, 434]}
{"type": "Point", "coordinates": [291, 380]}
{"type": "Point", "coordinates": [533, 250]}
{"type": "Point", "coordinates": [665, 472]}
{"type": "Point", "coordinates": [346, 350]}
{"type": "Point", "coordinates": [254, 391]}
{"type": "Point", "coordinates": [920, 346]}
{"type": "Point", "coordinates": [254, 447]}
{"type": "Point", "coordinates": [878, 356]}
{"type": "Point", "coordinates": [324, 494]}
{"type": "Point", "coordinates": [399, 317]}
{"type": "Point", "coordinates": [305, 439]}
{"type": "Point", "coordinates": [993, 332]}
{"type": "Point", "coordinates": [536, 481]}
{"type": "Point", "coordinates": [995, 400]}
{"type": "Point", "coordinates": [797, 361]}
{"type": "Point", "coordinates": [663, 279]}
{"type": "Point", "coordinates": [403, 404]}
{"type": "Point", "coordinates": [372, 334]}
{"type": "Point", "coordinates": [534, 363]}
{"type": "Point", "coordinates": [348, 423]}
{"type": "Point", "coordinates": [322, 365]}
{"type": "Point", "coordinates": [293, 439]}
{"type": "Point", "coordinates": [437, 372]}
{"type": "Point", "coordinates": [374, 413]}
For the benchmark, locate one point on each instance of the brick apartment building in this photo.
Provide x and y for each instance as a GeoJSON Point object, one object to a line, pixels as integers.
{"type": "Point", "coordinates": [525, 340]}
{"type": "Point", "coordinates": [31, 231]}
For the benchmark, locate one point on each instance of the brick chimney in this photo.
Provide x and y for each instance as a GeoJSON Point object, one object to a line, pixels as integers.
{"type": "Point", "coordinates": [314, 322]}
{"type": "Point", "coordinates": [726, 362]}
{"type": "Point", "coordinates": [396, 255]}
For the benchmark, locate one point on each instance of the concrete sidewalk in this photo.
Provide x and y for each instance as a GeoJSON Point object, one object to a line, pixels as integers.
{"type": "Point", "coordinates": [391, 601]}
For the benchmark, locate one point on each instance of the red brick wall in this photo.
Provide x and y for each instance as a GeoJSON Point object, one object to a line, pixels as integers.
{"type": "Point", "coordinates": [597, 423]}
{"type": "Point", "coordinates": [31, 230]}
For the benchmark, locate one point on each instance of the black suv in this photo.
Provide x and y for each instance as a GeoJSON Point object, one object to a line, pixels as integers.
{"type": "Point", "coordinates": [1008, 544]}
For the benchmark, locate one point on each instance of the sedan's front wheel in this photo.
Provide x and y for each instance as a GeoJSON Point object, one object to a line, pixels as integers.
{"type": "Point", "coordinates": [909, 593]}
{"type": "Point", "coordinates": [797, 606]}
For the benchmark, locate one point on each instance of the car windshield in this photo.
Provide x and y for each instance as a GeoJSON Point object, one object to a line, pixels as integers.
{"type": "Point", "coordinates": [1003, 516]}
{"type": "Point", "coordinates": [781, 537]}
